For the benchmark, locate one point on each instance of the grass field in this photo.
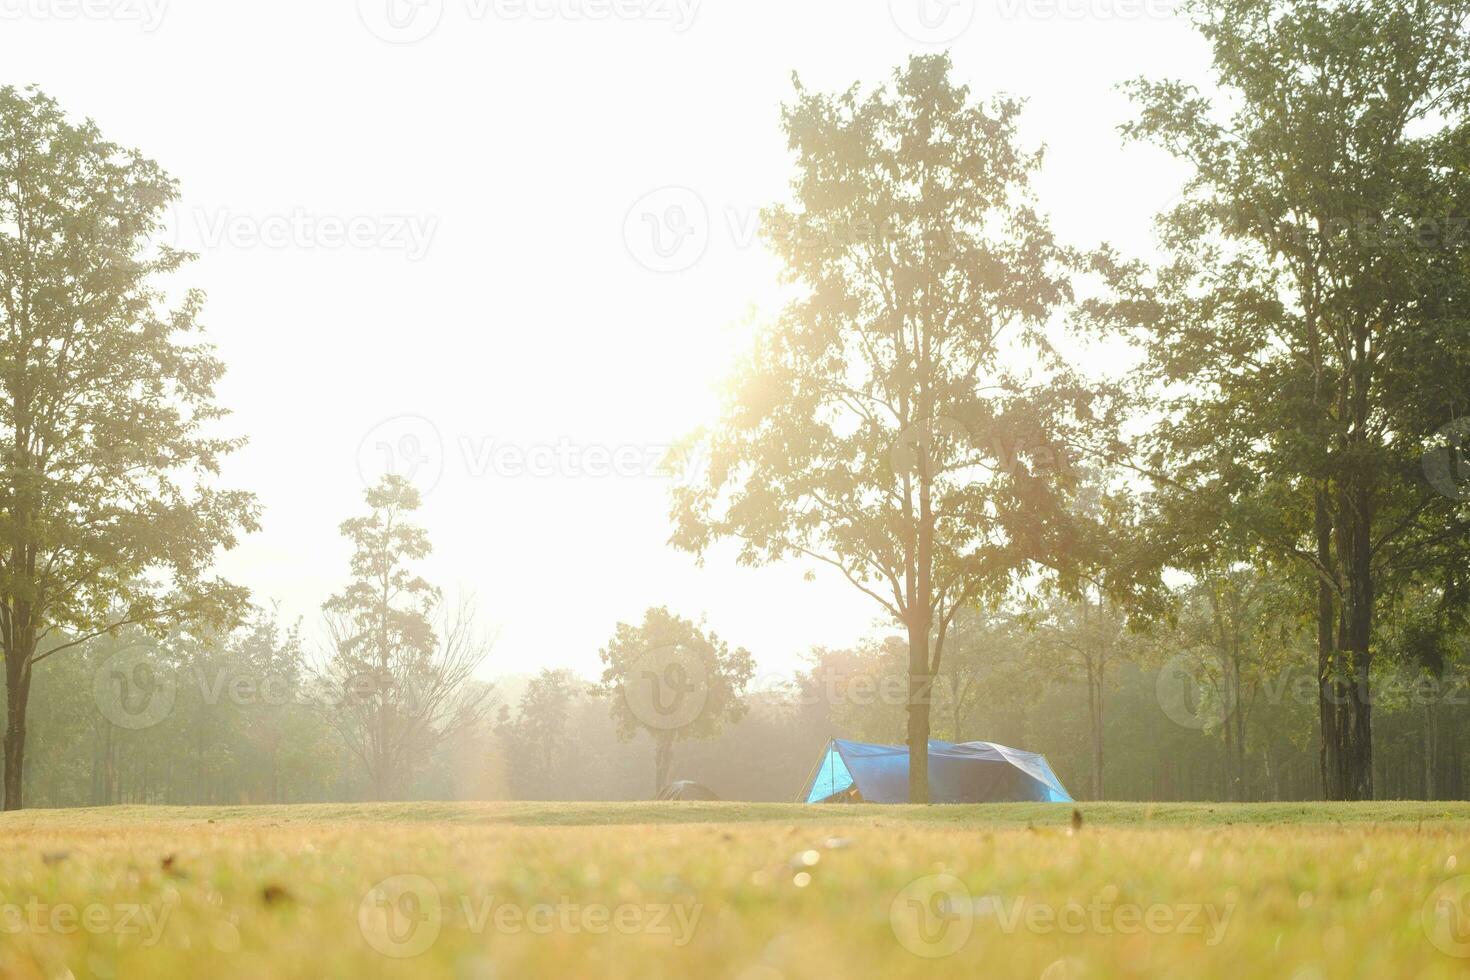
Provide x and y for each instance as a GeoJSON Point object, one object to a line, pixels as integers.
{"type": "Point", "coordinates": [752, 891]}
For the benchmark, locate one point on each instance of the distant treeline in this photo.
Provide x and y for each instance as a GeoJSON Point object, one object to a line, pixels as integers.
{"type": "Point", "coordinates": [245, 719]}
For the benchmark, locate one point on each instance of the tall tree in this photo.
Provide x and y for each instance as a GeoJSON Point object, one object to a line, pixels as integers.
{"type": "Point", "coordinates": [1244, 625]}
{"type": "Point", "coordinates": [1084, 638]}
{"type": "Point", "coordinates": [862, 692]}
{"type": "Point", "coordinates": [107, 411]}
{"type": "Point", "coordinates": [535, 740]}
{"type": "Point", "coordinates": [272, 658]}
{"type": "Point", "coordinates": [673, 679]}
{"type": "Point", "coordinates": [874, 428]}
{"type": "Point", "coordinates": [399, 676]}
{"type": "Point", "coordinates": [1306, 333]}
{"type": "Point", "coordinates": [974, 631]}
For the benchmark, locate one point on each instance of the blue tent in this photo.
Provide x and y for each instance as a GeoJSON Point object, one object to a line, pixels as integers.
{"type": "Point", "coordinates": [971, 772]}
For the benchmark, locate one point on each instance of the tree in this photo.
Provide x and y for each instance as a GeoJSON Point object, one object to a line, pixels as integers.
{"type": "Point", "coordinates": [874, 429]}
{"type": "Point", "coordinates": [107, 515]}
{"type": "Point", "coordinates": [982, 636]}
{"type": "Point", "coordinates": [398, 686]}
{"type": "Point", "coordinates": [273, 659]}
{"type": "Point", "coordinates": [1085, 637]}
{"type": "Point", "coordinates": [1243, 624]}
{"type": "Point", "coordinates": [536, 739]}
{"type": "Point", "coordinates": [1306, 333]}
{"type": "Point", "coordinates": [676, 681]}
{"type": "Point", "coordinates": [1428, 645]}
{"type": "Point", "coordinates": [1111, 586]}
{"type": "Point", "coordinates": [863, 691]}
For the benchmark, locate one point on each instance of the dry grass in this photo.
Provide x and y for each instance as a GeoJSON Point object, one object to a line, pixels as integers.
{"type": "Point", "coordinates": [749, 891]}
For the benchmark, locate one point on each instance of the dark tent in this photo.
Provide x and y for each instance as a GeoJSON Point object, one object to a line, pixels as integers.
{"type": "Point", "coordinates": [970, 772]}
{"type": "Point", "coordinates": [685, 789]}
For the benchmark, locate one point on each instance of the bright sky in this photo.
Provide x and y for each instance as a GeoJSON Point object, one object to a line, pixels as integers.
{"type": "Point", "coordinates": [512, 242]}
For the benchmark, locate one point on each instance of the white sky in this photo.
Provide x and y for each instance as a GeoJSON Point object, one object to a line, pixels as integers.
{"type": "Point", "coordinates": [497, 291]}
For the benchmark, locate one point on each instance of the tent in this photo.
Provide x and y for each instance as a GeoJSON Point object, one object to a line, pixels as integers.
{"type": "Point", "coordinates": [685, 789]}
{"type": "Point", "coordinates": [970, 772]}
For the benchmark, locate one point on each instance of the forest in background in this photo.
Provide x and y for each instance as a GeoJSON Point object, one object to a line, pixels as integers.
{"type": "Point", "coordinates": [243, 725]}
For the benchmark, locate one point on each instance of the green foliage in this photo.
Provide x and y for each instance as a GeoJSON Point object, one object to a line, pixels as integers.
{"type": "Point", "coordinates": [670, 677]}
{"type": "Point", "coordinates": [919, 254]}
{"type": "Point", "coordinates": [395, 685]}
{"type": "Point", "coordinates": [107, 416]}
{"type": "Point", "coordinates": [235, 723]}
{"type": "Point", "coordinates": [1305, 335]}
{"type": "Point", "coordinates": [875, 427]}
{"type": "Point", "coordinates": [537, 737]}
{"type": "Point", "coordinates": [383, 616]}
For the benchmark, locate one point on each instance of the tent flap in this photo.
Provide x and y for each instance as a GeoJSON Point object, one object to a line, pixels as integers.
{"type": "Point", "coordinates": [831, 778]}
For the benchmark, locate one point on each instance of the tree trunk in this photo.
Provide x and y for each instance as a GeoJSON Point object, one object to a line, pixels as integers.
{"type": "Point", "coordinates": [1329, 696]}
{"type": "Point", "coordinates": [17, 699]}
{"type": "Point", "coordinates": [955, 734]}
{"type": "Point", "coordinates": [1243, 781]}
{"type": "Point", "coordinates": [1429, 750]}
{"type": "Point", "coordinates": [921, 687]}
{"type": "Point", "coordinates": [1229, 758]}
{"type": "Point", "coordinates": [1095, 726]}
{"type": "Point", "coordinates": [1235, 727]}
{"type": "Point", "coordinates": [1355, 555]}
{"type": "Point", "coordinates": [1357, 653]}
{"type": "Point", "coordinates": [920, 612]}
{"type": "Point", "coordinates": [15, 751]}
{"type": "Point", "coordinates": [663, 759]}
{"type": "Point", "coordinates": [380, 781]}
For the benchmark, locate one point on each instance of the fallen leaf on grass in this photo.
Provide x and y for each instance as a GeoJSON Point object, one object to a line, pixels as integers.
{"type": "Point", "coordinates": [170, 867]}
{"type": "Point", "coordinates": [275, 894]}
